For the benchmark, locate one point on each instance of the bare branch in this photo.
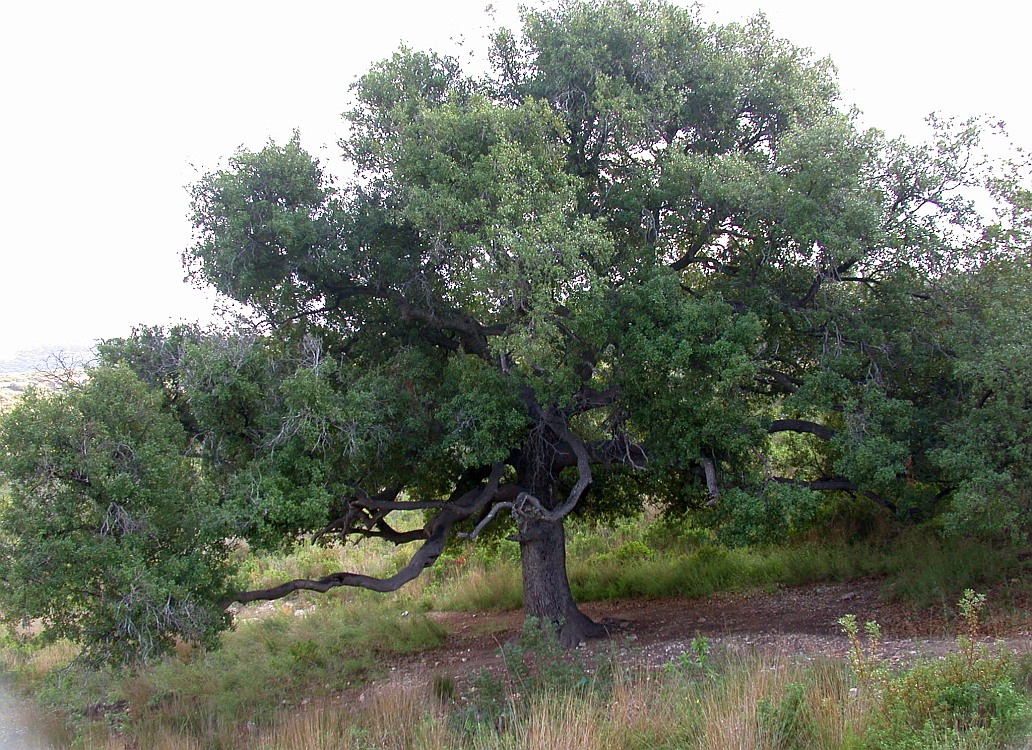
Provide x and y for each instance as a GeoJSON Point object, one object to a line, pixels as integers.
{"type": "Point", "coordinates": [583, 473]}
{"type": "Point", "coordinates": [801, 425]}
{"type": "Point", "coordinates": [485, 521]}
{"type": "Point", "coordinates": [437, 532]}
{"type": "Point", "coordinates": [711, 480]}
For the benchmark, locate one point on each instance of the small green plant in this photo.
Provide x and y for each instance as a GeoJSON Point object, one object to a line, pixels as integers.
{"type": "Point", "coordinates": [695, 661]}
{"type": "Point", "coordinates": [970, 607]}
{"type": "Point", "coordinates": [863, 651]}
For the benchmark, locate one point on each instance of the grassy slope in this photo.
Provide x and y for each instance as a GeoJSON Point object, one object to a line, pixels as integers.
{"type": "Point", "coordinates": [280, 675]}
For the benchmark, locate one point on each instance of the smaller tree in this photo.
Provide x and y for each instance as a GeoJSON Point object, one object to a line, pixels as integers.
{"type": "Point", "coordinates": [986, 447]}
{"type": "Point", "coordinates": [110, 537]}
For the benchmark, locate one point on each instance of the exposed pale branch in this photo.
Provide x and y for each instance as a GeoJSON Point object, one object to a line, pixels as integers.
{"type": "Point", "coordinates": [485, 521]}
{"type": "Point", "coordinates": [583, 473]}
{"type": "Point", "coordinates": [711, 480]}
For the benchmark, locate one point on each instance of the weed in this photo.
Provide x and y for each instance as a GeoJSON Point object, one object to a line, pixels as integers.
{"type": "Point", "coordinates": [868, 669]}
{"type": "Point", "coordinates": [695, 661]}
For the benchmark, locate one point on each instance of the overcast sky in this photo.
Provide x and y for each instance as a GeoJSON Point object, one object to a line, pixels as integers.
{"type": "Point", "coordinates": [109, 109]}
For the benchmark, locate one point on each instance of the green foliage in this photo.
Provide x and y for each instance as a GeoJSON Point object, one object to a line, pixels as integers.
{"type": "Point", "coordinates": [110, 537]}
{"type": "Point", "coordinates": [636, 253]}
{"type": "Point", "coordinates": [987, 445]}
{"type": "Point", "coordinates": [697, 242]}
{"type": "Point", "coordinates": [770, 514]}
{"type": "Point", "coordinates": [970, 698]}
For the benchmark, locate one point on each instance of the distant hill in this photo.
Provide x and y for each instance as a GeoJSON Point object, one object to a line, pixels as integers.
{"type": "Point", "coordinates": [46, 358]}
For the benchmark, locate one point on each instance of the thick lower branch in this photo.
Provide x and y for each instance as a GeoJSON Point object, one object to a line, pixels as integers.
{"type": "Point", "coordinates": [436, 532]}
{"type": "Point", "coordinates": [840, 484]}
{"type": "Point", "coordinates": [801, 425]}
{"type": "Point", "coordinates": [424, 558]}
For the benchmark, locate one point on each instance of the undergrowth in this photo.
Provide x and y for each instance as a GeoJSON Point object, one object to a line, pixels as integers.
{"type": "Point", "coordinates": [278, 679]}
{"type": "Point", "coordinates": [543, 697]}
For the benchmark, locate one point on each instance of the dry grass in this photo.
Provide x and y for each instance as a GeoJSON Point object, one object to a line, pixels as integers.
{"type": "Point", "coordinates": [316, 728]}
{"type": "Point", "coordinates": [403, 716]}
{"type": "Point", "coordinates": [42, 661]}
{"type": "Point", "coordinates": [644, 710]}
{"type": "Point", "coordinates": [491, 587]}
{"type": "Point", "coordinates": [754, 703]}
{"type": "Point", "coordinates": [563, 722]}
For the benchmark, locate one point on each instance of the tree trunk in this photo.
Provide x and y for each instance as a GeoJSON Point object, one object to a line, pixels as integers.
{"type": "Point", "coordinates": [547, 599]}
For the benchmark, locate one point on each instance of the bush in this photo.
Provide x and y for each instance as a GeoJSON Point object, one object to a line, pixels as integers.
{"type": "Point", "coordinates": [970, 698]}
{"type": "Point", "coordinates": [954, 702]}
{"type": "Point", "coordinates": [109, 536]}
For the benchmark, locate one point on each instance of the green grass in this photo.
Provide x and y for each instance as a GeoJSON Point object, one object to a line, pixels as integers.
{"type": "Point", "coordinates": [948, 567]}
{"type": "Point", "coordinates": [263, 666]}
{"type": "Point", "coordinates": [281, 672]}
{"type": "Point", "coordinates": [636, 559]}
{"type": "Point", "coordinates": [549, 700]}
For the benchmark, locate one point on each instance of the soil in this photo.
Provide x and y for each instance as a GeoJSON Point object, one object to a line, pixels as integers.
{"type": "Point", "coordinates": [799, 622]}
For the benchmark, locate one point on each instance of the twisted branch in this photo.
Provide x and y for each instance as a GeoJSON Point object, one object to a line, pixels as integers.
{"type": "Point", "coordinates": [437, 532]}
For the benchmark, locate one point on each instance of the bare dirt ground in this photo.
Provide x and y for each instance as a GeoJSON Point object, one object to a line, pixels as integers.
{"type": "Point", "coordinates": [797, 622]}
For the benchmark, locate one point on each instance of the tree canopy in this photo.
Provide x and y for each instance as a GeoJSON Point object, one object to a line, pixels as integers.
{"type": "Point", "coordinates": [643, 257]}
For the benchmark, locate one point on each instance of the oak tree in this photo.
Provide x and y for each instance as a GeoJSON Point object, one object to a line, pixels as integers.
{"type": "Point", "coordinates": [638, 254]}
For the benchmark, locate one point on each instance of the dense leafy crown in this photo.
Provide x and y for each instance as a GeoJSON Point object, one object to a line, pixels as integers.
{"type": "Point", "coordinates": [667, 231]}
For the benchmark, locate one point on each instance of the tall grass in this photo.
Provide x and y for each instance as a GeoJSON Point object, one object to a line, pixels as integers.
{"type": "Point", "coordinates": [752, 702]}
{"type": "Point", "coordinates": [292, 673]}
{"type": "Point", "coordinates": [636, 558]}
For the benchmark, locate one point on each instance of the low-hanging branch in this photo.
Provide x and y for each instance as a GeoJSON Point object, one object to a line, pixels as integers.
{"type": "Point", "coordinates": [840, 484]}
{"type": "Point", "coordinates": [801, 425]}
{"type": "Point", "coordinates": [437, 532]}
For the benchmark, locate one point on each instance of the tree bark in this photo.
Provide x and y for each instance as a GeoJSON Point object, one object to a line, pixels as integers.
{"type": "Point", "coordinates": [547, 599]}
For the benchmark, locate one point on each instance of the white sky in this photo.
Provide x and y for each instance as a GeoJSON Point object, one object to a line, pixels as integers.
{"type": "Point", "coordinates": [108, 109]}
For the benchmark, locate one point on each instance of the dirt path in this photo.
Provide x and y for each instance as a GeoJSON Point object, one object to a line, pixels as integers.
{"type": "Point", "coordinates": [800, 621]}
